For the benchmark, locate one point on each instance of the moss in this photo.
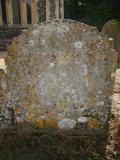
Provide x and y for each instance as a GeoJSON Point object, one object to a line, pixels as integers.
{"type": "Point", "coordinates": [118, 65]}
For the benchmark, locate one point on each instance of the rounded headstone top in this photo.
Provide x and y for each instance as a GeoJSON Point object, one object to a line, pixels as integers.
{"type": "Point", "coordinates": [61, 69]}
{"type": "Point", "coordinates": [112, 29]}
{"type": "Point", "coordinates": [111, 23]}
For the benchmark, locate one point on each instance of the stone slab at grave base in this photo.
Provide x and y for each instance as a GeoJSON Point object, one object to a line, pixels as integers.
{"type": "Point", "coordinates": [60, 74]}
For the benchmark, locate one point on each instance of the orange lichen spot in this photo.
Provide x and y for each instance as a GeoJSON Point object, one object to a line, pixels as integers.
{"type": "Point", "coordinates": [94, 123]}
{"type": "Point", "coordinates": [110, 41]}
{"type": "Point", "coordinates": [50, 123]}
{"type": "Point", "coordinates": [13, 49]}
{"type": "Point", "coordinates": [40, 123]}
{"type": "Point", "coordinates": [99, 33]}
{"type": "Point", "coordinates": [46, 123]}
{"type": "Point", "coordinates": [91, 57]}
{"type": "Point", "coordinates": [27, 88]}
{"type": "Point", "coordinates": [34, 96]}
{"type": "Point", "coordinates": [93, 45]}
{"type": "Point", "coordinates": [17, 110]}
{"type": "Point", "coordinates": [26, 103]}
{"type": "Point", "coordinates": [30, 117]}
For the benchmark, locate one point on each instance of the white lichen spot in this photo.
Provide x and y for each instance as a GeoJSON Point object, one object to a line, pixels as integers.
{"type": "Point", "coordinates": [68, 98]}
{"type": "Point", "coordinates": [111, 98]}
{"type": "Point", "coordinates": [66, 123]}
{"type": "Point", "coordinates": [98, 46]}
{"type": "Point", "coordinates": [113, 75]}
{"type": "Point", "coordinates": [78, 44]}
{"type": "Point", "coordinates": [36, 33]}
{"type": "Point", "coordinates": [31, 43]}
{"type": "Point", "coordinates": [62, 29]}
{"type": "Point", "coordinates": [43, 42]}
{"type": "Point", "coordinates": [42, 87]}
{"type": "Point", "coordinates": [43, 116]}
{"type": "Point", "coordinates": [49, 103]}
{"type": "Point", "coordinates": [85, 70]}
{"type": "Point", "coordinates": [99, 92]}
{"type": "Point", "coordinates": [73, 91]}
{"type": "Point", "coordinates": [44, 53]}
{"type": "Point", "coordinates": [85, 74]}
{"type": "Point", "coordinates": [58, 36]}
{"type": "Point", "coordinates": [64, 74]}
{"type": "Point", "coordinates": [52, 65]}
{"type": "Point", "coordinates": [82, 120]}
{"type": "Point", "coordinates": [99, 37]}
{"type": "Point", "coordinates": [24, 30]}
{"type": "Point", "coordinates": [110, 39]}
{"type": "Point", "coordinates": [18, 119]}
{"type": "Point", "coordinates": [74, 96]}
{"type": "Point", "coordinates": [100, 104]}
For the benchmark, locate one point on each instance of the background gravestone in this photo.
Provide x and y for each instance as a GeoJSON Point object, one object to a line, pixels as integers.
{"type": "Point", "coordinates": [61, 73]}
{"type": "Point", "coordinates": [112, 29]}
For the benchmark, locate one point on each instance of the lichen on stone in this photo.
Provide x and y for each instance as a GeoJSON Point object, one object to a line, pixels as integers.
{"type": "Point", "coordinates": [60, 70]}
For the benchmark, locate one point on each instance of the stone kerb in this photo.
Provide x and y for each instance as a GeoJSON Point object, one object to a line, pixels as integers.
{"type": "Point", "coordinates": [61, 74]}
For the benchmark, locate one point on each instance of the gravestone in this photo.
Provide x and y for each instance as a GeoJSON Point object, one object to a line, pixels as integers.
{"type": "Point", "coordinates": [61, 74]}
{"type": "Point", "coordinates": [112, 29]}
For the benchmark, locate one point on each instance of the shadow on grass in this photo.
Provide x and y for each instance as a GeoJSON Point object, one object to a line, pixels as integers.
{"type": "Point", "coordinates": [31, 143]}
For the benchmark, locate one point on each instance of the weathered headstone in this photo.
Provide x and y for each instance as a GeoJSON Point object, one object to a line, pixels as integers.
{"type": "Point", "coordinates": [112, 29]}
{"type": "Point", "coordinates": [61, 73]}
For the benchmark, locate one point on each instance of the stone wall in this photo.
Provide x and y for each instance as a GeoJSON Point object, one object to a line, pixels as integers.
{"type": "Point", "coordinates": [60, 74]}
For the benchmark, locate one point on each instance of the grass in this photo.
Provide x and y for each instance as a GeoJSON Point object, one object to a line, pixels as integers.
{"type": "Point", "coordinates": [48, 144]}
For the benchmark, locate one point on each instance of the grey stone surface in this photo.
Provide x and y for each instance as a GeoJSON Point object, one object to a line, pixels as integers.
{"type": "Point", "coordinates": [61, 69]}
{"type": "Point", "coordinates": [112, 29]}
